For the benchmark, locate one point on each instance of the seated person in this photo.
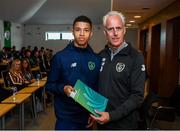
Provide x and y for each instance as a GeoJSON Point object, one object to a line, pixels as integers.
{"type": "Point", "coordinates": [16, 77]}
{"type": "Point", "coordinates": [26, 70]}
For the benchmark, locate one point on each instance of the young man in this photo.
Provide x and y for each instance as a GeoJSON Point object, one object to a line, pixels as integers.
{"type": "Point", "coordinates": [76, 61]}
{"type": "Point", "coordinates": [122, 77]}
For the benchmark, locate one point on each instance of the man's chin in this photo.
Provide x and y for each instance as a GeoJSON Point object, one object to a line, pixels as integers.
{"type": "Point", "coordinates": [115, 44]}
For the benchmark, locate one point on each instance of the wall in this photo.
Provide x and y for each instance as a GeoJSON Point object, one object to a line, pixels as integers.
{"type": "Point", "coordinates": [34, 35]}
{"type": "Point", "coordinates": [162, 17]}
{"type": "Point", "coordinates": [17, 31]}
{"type": "Point", "coordinates": [132, 36]}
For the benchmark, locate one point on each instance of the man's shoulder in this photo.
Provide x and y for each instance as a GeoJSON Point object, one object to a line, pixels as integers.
{"type": "Point", "coordinates": [133, 51]}
{"type": "Point", "coordinates": [134, 54]}
{"type": "Point", "coordinates": [103, 52]}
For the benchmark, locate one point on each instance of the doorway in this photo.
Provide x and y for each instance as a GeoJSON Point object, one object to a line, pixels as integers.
{"type": "Point", "coordinates": [172, 56]}
{"type": "Point", "coordinates": [155, 58]}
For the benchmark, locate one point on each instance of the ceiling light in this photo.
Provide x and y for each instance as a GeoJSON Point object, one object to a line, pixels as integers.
{"type": "Point", "coordinates": [137, 16]}
{"type": "Point", "coordinates": [128, 24]}
{"type": "Point", "coordinates": [132, 21]}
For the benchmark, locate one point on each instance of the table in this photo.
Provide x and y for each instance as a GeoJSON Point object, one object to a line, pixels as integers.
{"type": "Point", "coordinates": [41, 83]}
{"type": "Point", "coordinates": [35, 68]}
{"type": "Point", "coordinates": [44, 79]}
{"type": "Point", "coordinates": [1, 81]}
{"type": "Point", "coordinates": [20, 98]}
{"type": "Point", "coordinates": [30, 90]}
{"type": "Point", "coordinates": [4, 63]}
{"type": "Point", "coordinates": [4, 108]}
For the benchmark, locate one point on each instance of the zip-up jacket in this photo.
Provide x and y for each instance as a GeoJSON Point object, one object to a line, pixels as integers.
{"type": "Point", "coordinates": [67, 66]}
{"type": "Point", "coordinates": [122, 82]}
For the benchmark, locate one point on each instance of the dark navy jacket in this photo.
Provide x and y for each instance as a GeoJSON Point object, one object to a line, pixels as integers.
{"type": "Point", "coordinates": [122, 82]}
{"type": "Point", "coordinates": [67, 66]}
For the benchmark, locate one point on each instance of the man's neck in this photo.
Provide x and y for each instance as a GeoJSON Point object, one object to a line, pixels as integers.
{"type": "Point", "coordinates": [80, 46]}
{"type": "Point", "coordinates": [116, 48]}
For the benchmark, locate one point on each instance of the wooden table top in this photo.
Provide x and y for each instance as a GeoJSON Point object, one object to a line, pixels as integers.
{"type": "Point", "coordinates": [4, 108]}
{"type": "Point", "coordinates": [35, 68]}
{"type": "Point", "coordinates": [19, 98]}
{"type": "Point", "coordinates": [44, 79]}
{"type": "Point", "coordinates": [41, 83]}
{"type": "Point", "coordinates": [4, 63]}
{"type": "Point", "coordinates": [1, 81]}
{"type": "Point", "coordinates": [29, 89]}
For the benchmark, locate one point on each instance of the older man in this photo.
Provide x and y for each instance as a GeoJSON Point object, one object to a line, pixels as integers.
{"type": "Point", "coordinates": [122, 77]}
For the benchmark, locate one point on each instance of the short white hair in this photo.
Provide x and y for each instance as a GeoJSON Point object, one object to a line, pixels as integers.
{"type": "Point", "coordinates": [113, 13]}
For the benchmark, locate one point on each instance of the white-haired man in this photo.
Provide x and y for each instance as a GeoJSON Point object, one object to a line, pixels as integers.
{"type": "Point", "coordinates": [122, 77]}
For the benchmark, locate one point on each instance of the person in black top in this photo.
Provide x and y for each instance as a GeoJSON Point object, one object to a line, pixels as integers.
{"type": "Point", "coordinates": [122, 77]}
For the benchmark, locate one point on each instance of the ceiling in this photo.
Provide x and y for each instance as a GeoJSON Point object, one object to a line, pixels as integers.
{"type": "Point", "coordinates": [64, 11]}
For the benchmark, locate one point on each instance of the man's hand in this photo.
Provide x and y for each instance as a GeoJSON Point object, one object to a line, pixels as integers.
{"type": "Point", "coordinates": [68, 89]}
{"type": "Point", "coordinates": [90, 122]}
{"type": "Point", "coordinates": [104, 117]}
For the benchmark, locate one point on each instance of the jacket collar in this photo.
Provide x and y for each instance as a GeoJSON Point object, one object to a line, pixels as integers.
{"type": "Point", "coordinates": [121, 50]}
{"type": "Point", "coordinates": [72, 46]}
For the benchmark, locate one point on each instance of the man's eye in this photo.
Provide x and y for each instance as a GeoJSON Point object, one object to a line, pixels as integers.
{"type": "Point", "coordinates": [87, 30]}
{"type": "Point", "coordinates": [110, 29]}
{"type": "Point", "coordinates": [77, 29]}
{"type": "Point", "coordinates": [118, 28]}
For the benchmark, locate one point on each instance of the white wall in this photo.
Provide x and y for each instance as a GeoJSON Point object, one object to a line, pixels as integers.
{"type": "Point", "coordinates": [131, 36]}
{"type": "Point", "coordinates": [34, 35]}
{"type": "Point", "coordinates": [17, 31]}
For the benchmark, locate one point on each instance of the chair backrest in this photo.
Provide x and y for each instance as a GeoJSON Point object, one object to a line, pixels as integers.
{"type": "Point", "coordinates": [147, 103]}
{"type": "Point", "coordinates": [5, 77]}
{"type": "Point", "coordinates": [145, 110]}
{"type": "Point", "coordinates": [149, 112]}
{"type": "Point", "coordinates": [3, 67]}
{"type": "Point", "coordinates": [175, 99]}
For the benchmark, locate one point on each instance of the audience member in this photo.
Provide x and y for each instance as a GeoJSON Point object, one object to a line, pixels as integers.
{"type": "Point", "coordinates": [16, 77]}
{"type": "Point", "coordinates": [26, 70]}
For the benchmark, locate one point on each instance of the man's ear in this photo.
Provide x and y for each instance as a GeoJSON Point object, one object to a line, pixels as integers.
{"type": "Point", "coordinates": [72, 31]}
{"type": "Point", "coordinates": [105, 33]}
{"type": "Point", "coordinates": [91, 34]}
{"type": "Point", "coordinates": [124, 30]}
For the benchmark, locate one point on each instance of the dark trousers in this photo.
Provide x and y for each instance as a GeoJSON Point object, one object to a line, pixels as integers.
{"type": "Point", "coordinates": [62, 124]}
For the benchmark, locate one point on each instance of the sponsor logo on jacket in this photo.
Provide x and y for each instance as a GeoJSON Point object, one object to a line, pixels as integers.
{"type": "Point", "coordinates": [120, 67]}
{"type": "Point", "coordinates": [91, 65]}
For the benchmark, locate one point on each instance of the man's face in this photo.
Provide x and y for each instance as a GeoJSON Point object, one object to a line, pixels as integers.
{"type": "Point", "coordinates": [82, 33]}
{"type": "Point", "coordinates": [114, 31]}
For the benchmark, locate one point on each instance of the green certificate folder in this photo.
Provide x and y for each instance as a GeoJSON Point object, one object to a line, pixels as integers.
{"type": "Point", "coordinates": [88, 98]}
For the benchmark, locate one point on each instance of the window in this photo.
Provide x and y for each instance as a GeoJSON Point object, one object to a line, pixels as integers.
{"type": "Point", "coordinates": [59, 36]}
{"type": "Point", "coordinates": [53, 36]}
{"type": "Point", "coordinates": [67, 36]}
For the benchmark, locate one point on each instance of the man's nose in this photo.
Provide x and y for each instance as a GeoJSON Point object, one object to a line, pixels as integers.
{"type": "Point", "coordinates": [82, 32]}
{"type": "Point", "coordinates": [115, 31]}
